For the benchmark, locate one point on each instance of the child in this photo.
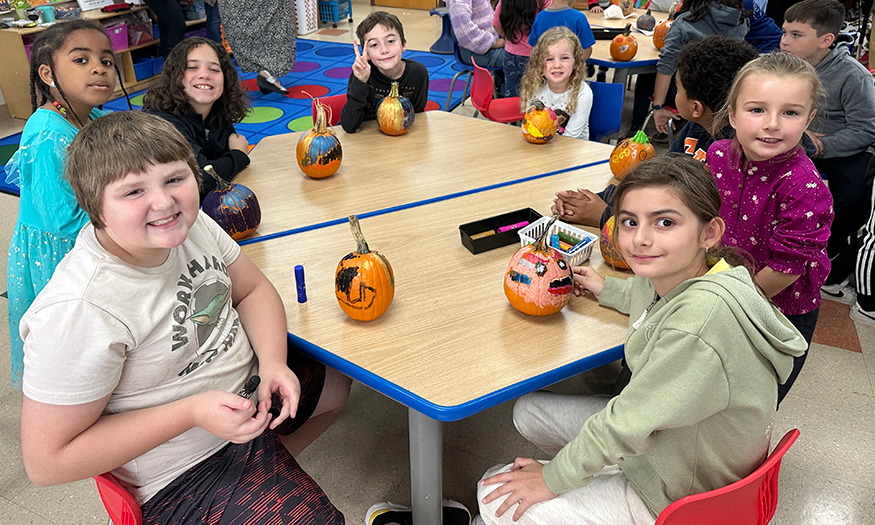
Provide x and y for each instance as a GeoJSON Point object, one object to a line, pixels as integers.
{"type": "Point", "coordinates": [697, 19]}
{"type": "Point", "coordinates": [163, 319]}
{"type": "Point", "coordinates": [72, 70]}
{"type": "Point", "coordinates": [199, 94]}
{"type": "Point", "coordinates": [513, 24]}
{"type": "Point", "coordinates": [555, 75]}
{"type": "Point", "coordinates": [376, 67]}
{"type": "Point", "coordinates": [472, 28]}
{"type": "Point", "coordinates": [847, 126]}
{"type": "Point", "coordinates": [863, 309]}
{"type": "Point", "coordinates": [561, 14]}
{"type": "Point", "coordinates": [705, 69]}
{"type": "Point", "coordinates": [775, 204]}
{"type": "Point", "coordinates": [706, 350]}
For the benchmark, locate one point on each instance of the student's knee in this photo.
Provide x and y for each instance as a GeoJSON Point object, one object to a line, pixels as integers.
{"type": "Point", "coordinates": [526, 415]}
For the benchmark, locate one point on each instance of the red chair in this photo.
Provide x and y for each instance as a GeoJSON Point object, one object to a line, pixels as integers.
{"type": "Point", "coordinates": [120, 505]}
{"type": "Point", "coordinates": [504, 110]}
{"type": "Point", "coordinates": [749, 501]}
{"type": "Point", "coordinates": [336, 102]}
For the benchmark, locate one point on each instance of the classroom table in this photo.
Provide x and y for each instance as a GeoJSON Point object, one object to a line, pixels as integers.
{"type": "Point", "coordinates": [450, 345]}
{"type": "Point", "coordinates": [643, 62]}
{"type": "Point", "coordinates": [442, 154]}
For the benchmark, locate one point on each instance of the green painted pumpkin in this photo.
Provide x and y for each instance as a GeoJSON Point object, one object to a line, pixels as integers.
{"type": "Point", "coordinates": [608, 246]}
{"type": "Point", "coordinates": [318, 152]}
{"type": "Point", "coordinates": [233, 206]}
{"type": "Point", "coordinates": [395, 113]}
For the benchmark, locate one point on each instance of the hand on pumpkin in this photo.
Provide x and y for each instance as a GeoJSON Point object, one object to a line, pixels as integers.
{"type": "Point", "coordinates": [238, 142]}
{"type": "Point", "coordinates": [228, 416]}
{"type": "Point", "coordinates": [524, 484]}
{"type": "Point", "coordinates": [280, 380]}
{"type": "Point", "coordinates": [587, 280]}
{"type": "Point", "coordinates": [579, 207]}
{"type": "Point", "coordinates": [661, 118]}
{"type": "Point", "coordinates": [360, 68]}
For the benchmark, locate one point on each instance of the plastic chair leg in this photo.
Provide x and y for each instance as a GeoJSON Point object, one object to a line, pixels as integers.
{"type": "Point", "coordinates": [453, 85]}
{"type": "Point", "coordinates": [444, 44]}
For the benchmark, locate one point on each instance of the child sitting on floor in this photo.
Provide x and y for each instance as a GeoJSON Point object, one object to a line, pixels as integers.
{"type": "Point", "coordinates": [376, 67]}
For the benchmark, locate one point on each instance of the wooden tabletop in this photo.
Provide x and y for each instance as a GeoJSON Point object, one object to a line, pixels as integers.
{"type": "Point", "coordinates": [450, 335]}
{"type": "Point", "coordinates": [601, 51]}
{"type": "Point", "coordinates": [442, 154]}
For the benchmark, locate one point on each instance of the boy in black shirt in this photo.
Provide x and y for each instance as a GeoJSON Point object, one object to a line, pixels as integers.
{"type": "Point", "coordinates": [376, 67]}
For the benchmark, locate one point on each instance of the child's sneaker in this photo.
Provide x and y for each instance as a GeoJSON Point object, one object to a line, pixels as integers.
{"type": "Point", "coordinates": [862, 316]}
{"type": "Point", "coordinates": [840, 292]}
{"type": "Point", "coordinates": [382, 513]}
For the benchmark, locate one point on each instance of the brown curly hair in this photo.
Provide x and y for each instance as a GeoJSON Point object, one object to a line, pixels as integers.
{"type": "Point", "coordinates": [168, 95]}
{"type": "Point", "coordinates": [534, 79]}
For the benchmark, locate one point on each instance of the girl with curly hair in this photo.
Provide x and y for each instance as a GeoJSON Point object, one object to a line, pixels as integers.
{"type": "Point", "coordinates": [199, 94]}
{"type": "Point", "coordinates": [555, 76]}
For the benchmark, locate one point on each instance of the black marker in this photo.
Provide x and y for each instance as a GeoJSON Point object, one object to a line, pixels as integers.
{"type": "Point", "coordinates": [250, 387]}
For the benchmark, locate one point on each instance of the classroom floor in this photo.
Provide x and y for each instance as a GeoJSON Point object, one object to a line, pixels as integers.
{"type": "Point", "coordinates": [828, 477]}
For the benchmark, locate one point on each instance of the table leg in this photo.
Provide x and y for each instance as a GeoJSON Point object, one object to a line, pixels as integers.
{"type": "Point", "coordinates": [426, 468]}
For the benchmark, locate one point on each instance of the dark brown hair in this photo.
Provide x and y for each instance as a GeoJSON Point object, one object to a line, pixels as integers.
{"type": "Point", "coordinates": [117, 145]}
{"type": "Point", "coordinates": [824, 16]}
{"type": "Point", "coordinates": [382, 18]}
{"type": "Point", "coordinates": [707, 67]}
{"type": "Point", "coordinates": [169, 96]}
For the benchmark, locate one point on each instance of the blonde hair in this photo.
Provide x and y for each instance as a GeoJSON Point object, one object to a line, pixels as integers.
{"type": "Point", "coordinates": [534, 79]}
{"type": "Point", "coordinates": [116, 145]}
{"type": "Point", "coordinates": [777, 64]}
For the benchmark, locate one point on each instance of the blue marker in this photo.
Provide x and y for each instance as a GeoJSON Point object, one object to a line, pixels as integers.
{"type": "Point", "coordinates": [299, 283]}
{"type": "Point", "coordinates": [577, 247]}
{"type": "Point", "coordinates": [554, 241]}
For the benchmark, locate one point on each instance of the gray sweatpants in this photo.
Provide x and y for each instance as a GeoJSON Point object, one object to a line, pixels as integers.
{"type": "Point", "coordinates": [550, 421]}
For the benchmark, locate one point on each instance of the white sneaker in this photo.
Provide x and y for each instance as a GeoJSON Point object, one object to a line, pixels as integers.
{"type": "Point", "coordinates": [386, 512]}
{"type": "Point", "coordinates": [841, 292]}
{"type": "Point", "coordinates": [862, 316]}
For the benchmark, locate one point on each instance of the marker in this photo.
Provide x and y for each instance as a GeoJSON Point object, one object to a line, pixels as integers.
{"type": "Point", "coordinates": [577, 247]}
{"type": "Point", "coordinates": [570, 239]}
{"type": "Point", "coordinates": [514, 226]}
{"type": "Point", "coordinates": [554, 241]}
{"type": "Point", "coordinates": [276, 405]}
{"type": "Point", "coordinates": [250, 387]}
{"type": "Point", "coordinates": [299, 283]}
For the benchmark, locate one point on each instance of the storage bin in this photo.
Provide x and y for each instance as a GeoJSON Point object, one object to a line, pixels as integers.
{"type": "Point", "coordinates": [474, 238]}
{"type": "Point", "coordinates": [157, 65]}
{"type": "Point", "coordinates": [142, 68]}
{"type": "Point", "coordinates": [155, 34]}
{"type": "Point", "coordinates": [139, 34]}
{"type": "Point", "coordinates": [27, 48]}
{"type": "Point", "coordinates": [193, 9]}
{"type": "Point", "coordinates": [118, 36]}
{"type": "Point", "coordinates": [576, 254]}
{"type": "Point", "coordinates": [334, 11]}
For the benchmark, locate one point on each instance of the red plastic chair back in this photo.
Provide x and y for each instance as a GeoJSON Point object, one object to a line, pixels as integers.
{"type": "Point", "coordinates": [502, 110]}
{"type": "Point", "coordinates": [749, 501]}
{"type": "Point", "coordinates": [334, 102]}
{"type": "Point", "coordinates": [120, 505]}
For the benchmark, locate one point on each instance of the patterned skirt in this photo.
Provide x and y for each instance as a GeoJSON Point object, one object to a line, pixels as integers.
{"type": "Point", "coordinates": [261, 34]}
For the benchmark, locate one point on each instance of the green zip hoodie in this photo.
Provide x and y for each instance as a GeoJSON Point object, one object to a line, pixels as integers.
{"type": "Point", "coordinates": [706, 360]}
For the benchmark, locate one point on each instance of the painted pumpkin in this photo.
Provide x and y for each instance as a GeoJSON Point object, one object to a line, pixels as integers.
{"type": "Point", "coordinates": [395, 113]}
{"type": "Point", "coordinates": [608, 246]}
{"type": "Point", "coordinates": [624, 46]}
{"type": "Point", "coordinates": [539, 123]}
{"type": "Point", "coordinates": [538, 280]}
{"type": "Point", "coordinates": [233, 206]}
{"type": "Point", "coordinates": [646, 22]}
{"type": "Point", "coordinates": [364, 283]}
{"type": "Point", "coordinates": [628, 6]}
{"type": "Point", "coordinates": [318, 151]}
{"type": "Point", "coordinates": [661, 30]}
{"type": "Point", "coordinates": [629, 153]}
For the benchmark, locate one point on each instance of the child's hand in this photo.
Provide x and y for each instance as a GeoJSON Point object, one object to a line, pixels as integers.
{"type": "Point", "coordinates": [596, 10]}
{"type": "Point", "coordinates": [283, 382]}
{"type": "Point", "coordinates": [524, 484]}
{"type": "Point", "coordinates": [587, 280]}
{"type": "Point", "coordinates": [360, 68]}
{"type": "Point", "coordinates": [499, 43]}
{"type": "Point", "coordinates": [238, 142]}
{"type": "Point", "coordinates": [661, 118]}
{"type": "Point", "coordinates": [579, 207]}
{"type": "Point", "coordinates": [228, 416]}
{"type": "Point", "coordinates": [815, 138]}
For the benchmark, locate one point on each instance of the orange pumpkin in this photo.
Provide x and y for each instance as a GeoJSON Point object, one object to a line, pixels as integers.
{"type": "Point", "coordinates": [661, 30]}
{"type": "Point", "coordinates": [646, 22]}
{"type": "Point", "coordinates": [318, 151]}
{"type": "Point", "coordinates": [364, 283]}
{"type": "Point", "coordinates": [629, 153]}
{"type": "Point", "coordinates": [624, 46]}
{"type": "Point", "coordinates": [628, 6]}
{"type": "Point", "coordinates": [539, 123]}
{"type": "Point", "coordinates": [608, 246]}
{"type": "Point", "coordinates": [538, 280]}
{"type": "Point", "coordinates": [395, 113]}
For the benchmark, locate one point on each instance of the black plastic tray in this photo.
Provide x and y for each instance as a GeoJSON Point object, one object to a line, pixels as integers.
{"type": "Point", "coordinates": [499, 239]}
{"type": "Point", "coordinates": [606, 33]}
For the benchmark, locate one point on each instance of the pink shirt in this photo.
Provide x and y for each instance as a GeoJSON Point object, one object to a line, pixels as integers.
{"type": "Point", "coordinates": [780, 211]}
{"type": "Point", "coordinates": [522, 48]}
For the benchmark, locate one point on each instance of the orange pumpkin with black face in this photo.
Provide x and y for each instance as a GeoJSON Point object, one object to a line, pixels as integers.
{"type": "Point", "coordinates": [539, 123]}
{"type": "Point", "coordinates": [538, 280]}
{"type": "Point", "coordinates": [318, 150]}
{"type": "Point", "coordinates": [661, 30]}
{"type": "Point", "coordinates": [629, 153]}
{"type": "Point", "coordinates": [364, 282]}
{"type": "Point", "coordinates": [609, 247]}
{"type": "Point", "coordinates": [624, 47]}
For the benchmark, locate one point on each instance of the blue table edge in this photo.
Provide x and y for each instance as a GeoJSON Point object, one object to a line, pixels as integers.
{"type": "Point", "coordinates": [463, 410]}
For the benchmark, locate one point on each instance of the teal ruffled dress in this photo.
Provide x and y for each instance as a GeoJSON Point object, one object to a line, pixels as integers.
{"type": "Point", "coordinates": [49, 218]}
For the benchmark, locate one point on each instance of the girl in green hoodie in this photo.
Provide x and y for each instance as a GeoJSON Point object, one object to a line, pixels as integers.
{"type": "Point", "coordinates": [706, 350]}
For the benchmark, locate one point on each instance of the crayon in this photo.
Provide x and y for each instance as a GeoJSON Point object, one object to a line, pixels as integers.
{"type": "Point", "coordinates": [563, 236]}
{"type": "Point", "coordinates": [483, 234]}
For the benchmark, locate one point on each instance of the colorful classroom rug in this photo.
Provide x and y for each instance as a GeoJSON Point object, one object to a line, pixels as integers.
{"type": "Point", "coordinates": [321, 69]}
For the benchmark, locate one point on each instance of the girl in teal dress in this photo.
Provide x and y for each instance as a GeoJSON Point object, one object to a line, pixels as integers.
{"type": "Point", "coordinates": [72, 70]}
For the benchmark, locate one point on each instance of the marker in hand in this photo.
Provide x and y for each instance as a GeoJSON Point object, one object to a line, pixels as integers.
{"type": "Point", "coordinates": [250, 387]}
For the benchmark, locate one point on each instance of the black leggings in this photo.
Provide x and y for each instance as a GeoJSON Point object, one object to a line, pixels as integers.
{"type": "Point", "coordinates": [171, 23]}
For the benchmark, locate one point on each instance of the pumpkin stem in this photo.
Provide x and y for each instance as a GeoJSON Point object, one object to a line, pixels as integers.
{"type": "Point", "coordinates": [541, 244]}
{"type": "Point", "coordinates": [640, 137]}
{"type": "Point", "coordinates": [320, 124]}
{"type": "Point", "coordinates": [220, 182]}
{"type": "Point", "coordinates": [393, 91]}
{"type": "Point", "coordinates": [536, 104]}
{"type": "Point", "coordinates": [628, 30]}
{"type": "Point", "coordinates": [357, 234]}
{"type": "Point", "coordinates": [648, 12]}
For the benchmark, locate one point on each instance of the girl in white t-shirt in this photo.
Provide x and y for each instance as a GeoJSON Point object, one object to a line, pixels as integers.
{"type": "Point", "coordinates": [555, 76]}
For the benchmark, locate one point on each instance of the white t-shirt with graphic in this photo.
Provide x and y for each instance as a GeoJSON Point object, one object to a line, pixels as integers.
{"type": "Point", "coordinates": [148, 336]}
{"type": "Point", "coordinates": [576, 125]}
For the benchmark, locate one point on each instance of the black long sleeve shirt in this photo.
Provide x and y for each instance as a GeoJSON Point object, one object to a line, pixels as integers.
{"type": "Point", "coordinates": [362, 98]}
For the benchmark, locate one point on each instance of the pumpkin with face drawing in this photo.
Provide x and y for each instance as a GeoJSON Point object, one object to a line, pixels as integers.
{"type": "Point", "coordinates": [364, 282]}
{"type": "Point", "coordinates": [538, 280]}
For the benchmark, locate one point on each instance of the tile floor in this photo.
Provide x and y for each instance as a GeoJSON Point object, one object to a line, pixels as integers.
{"type": "Point", "coordinates": [828, 477]}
